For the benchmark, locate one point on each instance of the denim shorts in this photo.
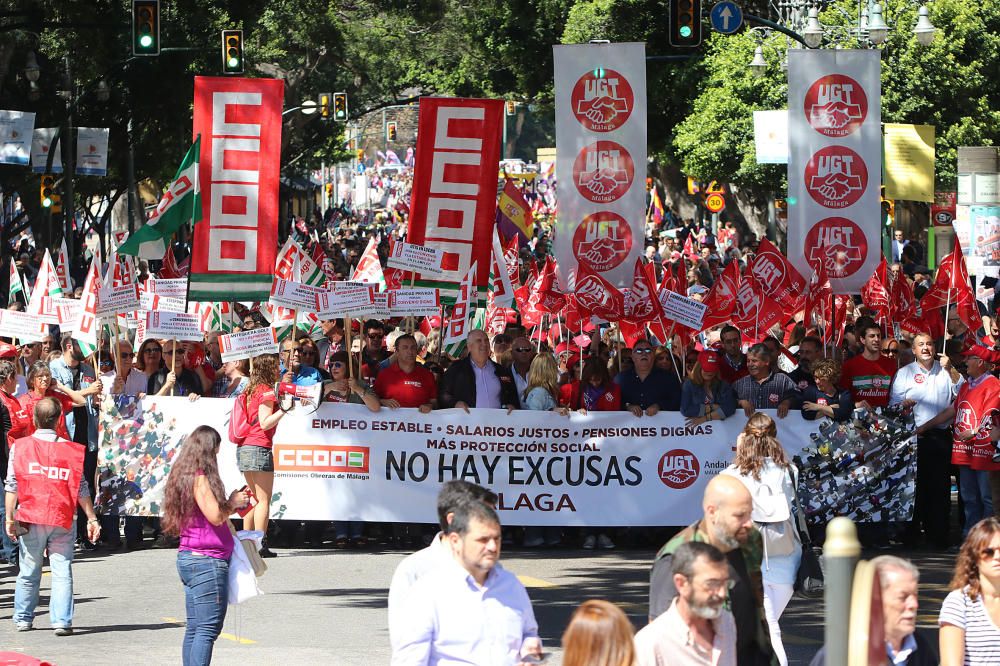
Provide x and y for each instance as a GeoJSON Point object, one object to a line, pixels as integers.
{"type": "Point", "coordinates": [254, 459]}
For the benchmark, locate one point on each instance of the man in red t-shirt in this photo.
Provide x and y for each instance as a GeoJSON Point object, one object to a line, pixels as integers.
{"type": "Point", "coordinates": [404, 383]}
{"type": "Point", "coordinates": [868, 375]}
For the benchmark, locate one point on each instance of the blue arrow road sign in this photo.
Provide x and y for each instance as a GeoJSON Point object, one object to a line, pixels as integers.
{"type": "Point", "coordinates": [727, 17]}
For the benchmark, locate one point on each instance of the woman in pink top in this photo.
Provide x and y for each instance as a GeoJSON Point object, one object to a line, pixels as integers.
{"type": "Point", "coordinates": [254, 454]}
{"type": "Point", "coordinates": [195, 509]}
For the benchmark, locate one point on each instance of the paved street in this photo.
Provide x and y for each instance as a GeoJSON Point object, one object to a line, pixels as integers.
{"type": "Point", "coordinates": [325, 606]}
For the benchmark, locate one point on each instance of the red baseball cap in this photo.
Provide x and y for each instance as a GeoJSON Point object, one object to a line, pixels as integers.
{"type": "Point", "coordinates": [7, 351]}
{"type": "Point", "coordinates": [709, 360]}
{"type": "Point", "coordinates": [981, 352]}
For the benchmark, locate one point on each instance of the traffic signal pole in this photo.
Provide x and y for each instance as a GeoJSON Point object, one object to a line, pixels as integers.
{"type": "Point", "coordinates": [69, 167]}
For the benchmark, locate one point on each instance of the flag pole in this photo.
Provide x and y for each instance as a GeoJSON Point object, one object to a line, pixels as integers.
{"type": "Point", "coordinates": [441, 334]}
{"type": "Point", "coordinates": [350, 354]}
{"type": "Point", "coordinates": [173, 366]}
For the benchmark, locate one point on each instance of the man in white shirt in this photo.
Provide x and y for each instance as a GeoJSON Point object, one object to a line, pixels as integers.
{"type": "Point", "coordinates": [696, 630]}
{"type": "Point", "coordinates": [928, 386]}
{"type": "Point", "coordinates": [414, 567]}
{"type": "Point", "coordinates": [470, 610]}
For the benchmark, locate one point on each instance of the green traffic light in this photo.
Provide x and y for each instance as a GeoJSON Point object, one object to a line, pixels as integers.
{"type": "Point", "coordinates": [685, 31]}
{"type": "Point", "coordinates": [792, 201]}
{"type": "Point", "coordinates": [233, 62]}
{"type": "Point", "coordinates": [46, 202]}
{"type": "Point", "coordinates": [145, 41]}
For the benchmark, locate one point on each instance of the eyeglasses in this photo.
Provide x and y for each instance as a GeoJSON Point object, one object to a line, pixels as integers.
{"type": "Point", "coordinates": [988, 553]}
{"type": "Point", "coordinates": [337, 365]}
{"type": "Point", "coordinates": [169, 353]}
{"type": "Point", "coordinates": [153, 350]}
{"type": "Point", "coordinates": [645, 350]}
{"type": "Point", "coordinates": [716, 585]}
{"type": "Point", "coordinates": [375, 336]}
{"type": "Point", "coordinates": [892, 351]}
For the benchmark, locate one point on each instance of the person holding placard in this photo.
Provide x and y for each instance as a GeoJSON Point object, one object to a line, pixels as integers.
{"type": "Point", "coordinates": [171, 380]}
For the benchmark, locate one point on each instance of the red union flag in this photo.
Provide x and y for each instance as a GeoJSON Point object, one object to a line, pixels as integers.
{"type": "Point", "coordinates": [597, 296]}
{"type": "Point", "coordinates": [721, 299]}
{"type": "Point", "coordinates": [236, 241]}
{"type": "Point", "coordinates": [454, 200]}
{"type": "Point", "coordinates": [875, 294]}
{"type": "Point", "coordinates": [777, 278]}
{"type": "Point", "coordinates": [755, 312]}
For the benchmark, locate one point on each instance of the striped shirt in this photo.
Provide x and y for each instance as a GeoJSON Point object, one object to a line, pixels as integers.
{"type": "Point", "coordinates": [766, 394]}
{"type": "Point", "coordinates": [982, 637]}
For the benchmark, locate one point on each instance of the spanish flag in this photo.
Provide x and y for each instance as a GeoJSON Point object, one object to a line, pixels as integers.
{"type": "Point", "coordinates": [656, 207]}
{"type": "Point", "coordinates": [514, 214]}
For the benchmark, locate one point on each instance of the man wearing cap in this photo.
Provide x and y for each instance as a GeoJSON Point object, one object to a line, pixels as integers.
{"type": "Point", "coordinates": [928, 387]}
{"type": "Point", "coordinates": [972, 416]}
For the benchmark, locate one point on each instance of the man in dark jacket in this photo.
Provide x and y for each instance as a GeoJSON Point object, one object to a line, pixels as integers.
{"type": "Point", "coordinates": [476, 381]}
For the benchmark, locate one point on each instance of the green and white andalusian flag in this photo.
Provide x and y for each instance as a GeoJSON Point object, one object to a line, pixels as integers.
{"type": "Point", "coordinates": [15, 283]}
{"type": "Point", "coordinates": [179, 205]}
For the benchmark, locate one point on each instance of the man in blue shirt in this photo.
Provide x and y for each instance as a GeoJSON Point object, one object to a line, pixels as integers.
{"type": "Point", "coordinates": [645, 388]}
{"type": "Point", "coordinates": [294, 371]}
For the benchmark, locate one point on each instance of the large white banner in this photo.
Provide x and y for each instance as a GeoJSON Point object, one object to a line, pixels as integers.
{"type": "Point", "coordinates": [601, 158]}
{"type": "Point", "coordinates": [92, 151]}
{"type": "Point", "coordinates": [15, 136]}
{"type": "Point", "coordinates": [343, 462]}
{"type": "Point", "coordinates": [835, 164]}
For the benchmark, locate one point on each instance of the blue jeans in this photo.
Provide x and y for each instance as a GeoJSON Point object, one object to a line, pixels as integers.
{"type": "Point", "coordinates": [8, 549]}
{"type": "Point", "coordinates": [60, 542]}
{"type": "Point", "coordinates": [976, 496]}
{"type": "Point", "coordinates": [206, 595]}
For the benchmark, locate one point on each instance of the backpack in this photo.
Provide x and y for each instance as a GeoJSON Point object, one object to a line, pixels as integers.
{"type": "Point", "coordinates": [772, 517]}
{"type": "Point", "coordinates": [239, 425]}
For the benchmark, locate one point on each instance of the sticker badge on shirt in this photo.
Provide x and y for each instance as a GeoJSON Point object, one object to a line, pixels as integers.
{"type": "Point", "coordinates": [773, 398]}
{"type": "Point", "coordinates": [919, 379]}
{"type": "Point", "coordinates": [822, 401]}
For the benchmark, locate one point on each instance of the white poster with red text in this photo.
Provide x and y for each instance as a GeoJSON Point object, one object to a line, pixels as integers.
{"type": "Point", "coordinates": [835, 164]}
{"type": "Point", "coordinates": [601, 159]}
{"type": "Point", "coordinates": [236, 242]}
{"type": "Point", "coordinates": [454, 199]}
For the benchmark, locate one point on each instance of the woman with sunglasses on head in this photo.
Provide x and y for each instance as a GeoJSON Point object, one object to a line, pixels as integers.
{"type": "Point", "coordinates": [41, 385]}
{"type": "Point", "coordinates": [195, 508]}
{"type": "Point", "coordinates": [970, 615]}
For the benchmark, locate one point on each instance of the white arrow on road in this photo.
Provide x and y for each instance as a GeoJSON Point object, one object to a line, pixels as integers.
{"type": "Point", "coordinates": [726, 14]}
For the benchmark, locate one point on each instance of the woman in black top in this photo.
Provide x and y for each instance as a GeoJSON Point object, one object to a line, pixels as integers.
{"type": "Point", "coordinates": [825, 399]}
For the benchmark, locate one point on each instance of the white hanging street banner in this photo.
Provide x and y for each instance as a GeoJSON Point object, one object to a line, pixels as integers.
{"type": "Point", "coordinates": [92, 151]}
{"type": "Point", "coordinates": [685, 311]}
{"type": "Point", "coordinates": [345, 297]}
{"type": "Point", "coordinates": [247, 344]}
{"type": "Point", "coordinates": [41, 144]}
{"type": "Point", "coordinates": [343, 462]}
{"type": "Point", "coordinates": [174, 326]}
{"type": "Point", "coordinates": [414, 302]}
{"type": "Point", "coordinates": [601, 157]}
{"type": "Point", "coordinates": [770, 136]}
{"type": "Point", "coordinates": [835, 164]}
{"type": "Point", "coordinates": [172, 288]}
{"type": "Point", "coordinates": [294, 295]}
{"type": "Point", "coordinates": [23, 326]}
{"type": "Point", "coordinates": [418, 258]}
{"type": "Point", "coordinates": [15, 137]}
{"type": "Point", "coordinates": [116, 300]}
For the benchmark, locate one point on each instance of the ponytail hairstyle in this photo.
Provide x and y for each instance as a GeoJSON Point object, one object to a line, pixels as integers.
{"type": "Point", "coordinates": [758, 441]}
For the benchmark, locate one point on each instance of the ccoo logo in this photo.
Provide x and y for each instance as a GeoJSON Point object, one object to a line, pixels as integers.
{"type": "Point", "coordinates": [602, 241]}
{"type": "Point", "coordinates": [840, 244]}
{"type": "Point", "coordinates": [678, 468]}
{"type": "Point", "coordinates": [836, 177]}
{"type": "Point", "coordinates": [603, 172]}
{"type": "Point", "coordinates": [602, 104]}
{"type": "Point", "coordinates": [836, 105]}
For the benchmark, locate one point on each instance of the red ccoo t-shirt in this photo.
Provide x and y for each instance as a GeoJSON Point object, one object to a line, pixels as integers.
{"type": "Point", "coordinates": [409, 390]}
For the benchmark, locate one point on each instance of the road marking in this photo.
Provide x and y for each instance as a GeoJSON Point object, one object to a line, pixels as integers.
{"type": "Point", "coordinates": [529, 581]}
{"type": "Point", "coordinates": [228, 637]}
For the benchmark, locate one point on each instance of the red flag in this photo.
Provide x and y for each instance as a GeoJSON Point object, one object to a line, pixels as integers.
{"type": "Point", "coordinates": [641, 303]}
{"type": "Point", "coordinates": [952, 284]}
{"type": "Point", "coordinates": [632, 331]}
{"type": "Point", "coordinates": [875, 294]}
{"type": "Point", "coordinates": [819, 295]}
{"type": "Point", "coordinates": [777, 277]}
{"type": "Point", "coordinates": [597, 296]}
{"type": "Point", "coordinates": [835, 331]}
{"type": "Point", "coordinates": [511, 256]}
{"type": "Point", "coordinates": [901, 299]}
{"type": "Point", "coordinates": [721, 298]}
{"type": "Point", "coordinates": [755, 312]}
{"type": "Point", "coordinates": [688, 250]}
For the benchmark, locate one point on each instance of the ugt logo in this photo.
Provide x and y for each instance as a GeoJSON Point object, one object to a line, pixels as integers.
{"type": "Point", "coordinates": [836, 177]}
{"type": "Point", "coordinates": [603, 172]}
{"type": "Point", "coordinates": [836, 105]}
{"type": "Point", "coordinates": [840, 244]}
{"type": "Point", "coordinates": [602, 241]}
{"type": "Point", "coordinates": [678, 468]}
{"type": "Point", "coordinates": [602, 103]}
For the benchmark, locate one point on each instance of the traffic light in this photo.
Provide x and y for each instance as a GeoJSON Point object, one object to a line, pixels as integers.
{"type": "Point", "coordinates": [685, 23]}
{"type": "Point", "coordinates": [340, 107]}
{"type": "Point", "coordinates": [325, 100]}
{"type": "Point", "coordinates": [232, 51]}
{"type": "Point", "coordinates": [47, 195]}
{"type": "Point", "coordinates": [511, 107]}
{"type": "Point", "coordinates": [390, 131]}
{"type": "Point", "coordinates": [145, 27]}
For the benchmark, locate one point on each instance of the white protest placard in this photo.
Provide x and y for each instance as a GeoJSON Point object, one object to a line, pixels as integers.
{"type": "Point", "coordinates": [48, 313]}
{"type": "Point", "coordinates": [174, 326]}
{"type": "Point", "coordinates": [68, 312]}
{"type": "Point", "coordinates": [23, 326]}
{"type": "Point", "coordinates": [379, 308]}
{"type": "Point", "coordinates": [414, 302]}
{"type": "Point", "coordinates": [417, 258]}
{"type": "Point", "coordinates": [294, 295]}
{"type": "Point", "coordinates": [685, 311]}
{"type": "Point", "coordinates": [173, 288]}
{"type": "Point", "coordinates": [154, 302]}
{"type": "Point", "coordinates": [343, 299]}
{"type": "Point", "coordinates": [247, 344]}
{"type": "Point", "coordinates": [117, 300]}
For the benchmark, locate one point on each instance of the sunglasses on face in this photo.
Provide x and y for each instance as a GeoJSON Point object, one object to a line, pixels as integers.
{"type": "Point", "coordinates": [988, 553]}
{"type": "Point", "coordinates": [642, 351]}
{"type": "Point", "coordinates": [523, 350]}
{"type": "Point", "coordinates": [154, 350]}
{"type": "Point", "coordinates": [338, 365]}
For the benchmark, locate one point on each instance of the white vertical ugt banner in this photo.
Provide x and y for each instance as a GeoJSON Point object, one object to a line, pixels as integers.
{"type": "Point", "coordinates": [835, 164]}
{"type": "Point", "coordinates": [600, 158]}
